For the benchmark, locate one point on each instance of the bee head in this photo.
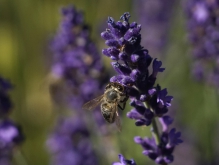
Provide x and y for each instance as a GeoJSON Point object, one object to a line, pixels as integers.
{"type": "Point", "coordinates": [120, 88]}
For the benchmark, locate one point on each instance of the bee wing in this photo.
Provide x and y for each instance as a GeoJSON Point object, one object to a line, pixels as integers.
{"type": "Point", "coordinates": [90, 105]}
{"type": "Point", "coordinates": [118, 123]}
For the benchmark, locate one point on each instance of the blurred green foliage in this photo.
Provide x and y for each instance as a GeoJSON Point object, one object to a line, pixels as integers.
{"type": "Point", "coordinates": [25, 29]}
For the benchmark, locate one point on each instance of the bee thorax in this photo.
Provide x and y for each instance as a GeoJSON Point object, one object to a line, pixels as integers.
{"type": "Point", "coordinates": [111, 95]}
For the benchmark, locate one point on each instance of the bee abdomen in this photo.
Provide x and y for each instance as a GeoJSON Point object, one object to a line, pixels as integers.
{"type": "Point", "coordinates": [109, 117]}
{"type": "Point", "coordinates": [108, 114]}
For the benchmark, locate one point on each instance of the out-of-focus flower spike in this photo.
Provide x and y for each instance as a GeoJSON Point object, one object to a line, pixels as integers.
{"type": "Point", "coordinates": [77, 63]}
{"type": "Point", "coordinates": [11, 134]}
{"type": "Point", "coordinates": [152, 15]}
{"type": "Point", "coordinates": [203, 34]}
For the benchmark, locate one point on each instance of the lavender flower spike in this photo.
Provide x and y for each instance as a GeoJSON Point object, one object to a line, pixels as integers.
{"type": "Point", "coordinates": [77, 64]}
{"type": "Point", "coordinates": [203, 32]}
{"type": "Point", "coordinates": [148, 99]}
{"type": "Point", "coordinates": [124, 161]}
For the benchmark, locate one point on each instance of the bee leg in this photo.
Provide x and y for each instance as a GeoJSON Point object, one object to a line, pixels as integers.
{"type": "Point", "coordinates": [125, 99]}
{"type": "Point", "coordinates": [124, 103]}
{"type": "Point", "coordinates": [123, 106]}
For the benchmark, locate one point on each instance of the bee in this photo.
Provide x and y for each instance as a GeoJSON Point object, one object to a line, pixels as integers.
{"type": "Point", "coordinates": [109, 102]}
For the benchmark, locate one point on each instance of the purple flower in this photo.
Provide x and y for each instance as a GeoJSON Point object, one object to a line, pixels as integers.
{"type": "Point", "coordinates": [165, 122]}
{"type": "Point", "coordinates": [10, 133]}
{"type": "Point", "coordinates": [174, 137]}
{"type": "Point", "coordinates": [124, 161]}
{"type": "Point", "coordinates": [161, 153]}
{"type": "Point", "coordinates": [142, 115]}
{"type": "Point", "coordinates": [123, 36]}
{"type": "Point", "coordinates": [135, 73]}
{"type": "Point", "coordinates": [160, 101]}
{"type": "Point", "coordinates": [203, 34]}
{"type": "Point", "coordinates": [10, 137]}
{"type": "Point", "coordinates": [157, 68]}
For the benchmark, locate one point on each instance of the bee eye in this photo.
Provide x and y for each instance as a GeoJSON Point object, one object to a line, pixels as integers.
{"type": "Point", "coordinates": [120, 88]}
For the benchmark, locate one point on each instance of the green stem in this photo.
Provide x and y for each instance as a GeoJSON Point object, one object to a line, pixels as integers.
{"type": "Point", "coordinates": [154, 128]}
{"type": "Point", "coordinates": [155, 131]}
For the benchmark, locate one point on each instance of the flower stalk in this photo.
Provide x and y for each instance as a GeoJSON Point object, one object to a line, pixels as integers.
{"type": "Point", "coordinates": [154, 127]}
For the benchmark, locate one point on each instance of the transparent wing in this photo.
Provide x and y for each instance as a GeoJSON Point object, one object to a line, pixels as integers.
{"type": "Point", "coordinates": [90, 105]}
{"type": "Point", "coordinates": [118, 123]}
